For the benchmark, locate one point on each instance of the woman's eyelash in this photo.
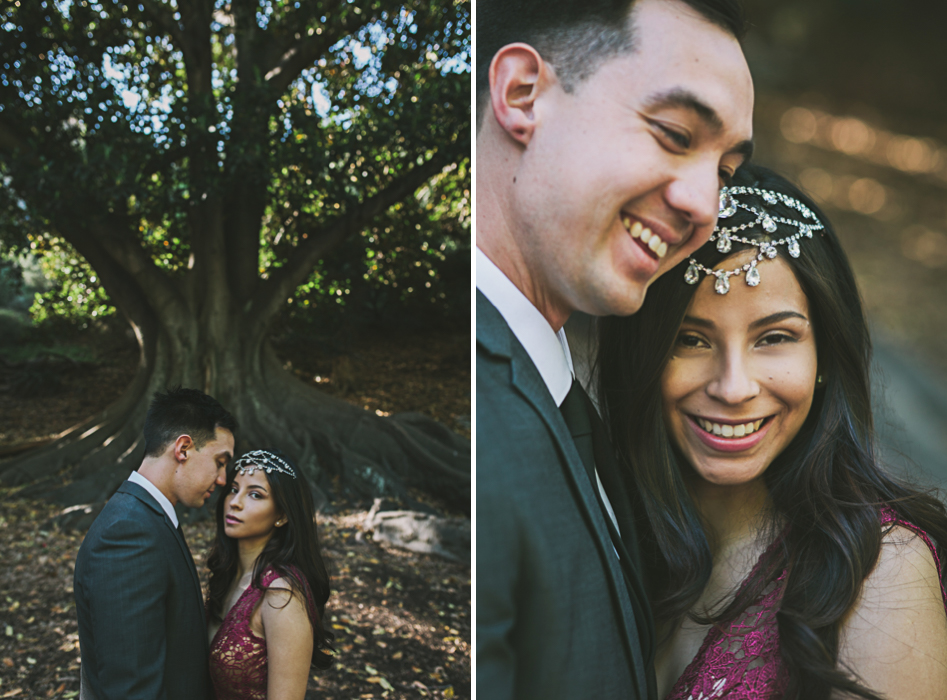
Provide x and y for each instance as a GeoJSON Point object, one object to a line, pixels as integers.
{"type": "Point", "coordinates": [689, 341]}
{"type": "Point", "coordinates": [778, 338]}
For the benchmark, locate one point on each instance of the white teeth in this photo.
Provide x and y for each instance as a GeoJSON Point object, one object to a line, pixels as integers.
{"type": "Point", "coordinates": [727, 430]}
{"type": "Point", "coordinates": [653, 243]}
{"type": "Point", "coordinates": [636, 229]}
{"type": "Point", "coordinates": [662, 249]}
{"type": "Point", "coordinates": [645, 235]}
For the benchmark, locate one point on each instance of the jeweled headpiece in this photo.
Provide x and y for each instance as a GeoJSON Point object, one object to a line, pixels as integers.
{"type": "Point", "coordinates": [265, 460]}
{"type": "Point", "coordinates": [729, 204]}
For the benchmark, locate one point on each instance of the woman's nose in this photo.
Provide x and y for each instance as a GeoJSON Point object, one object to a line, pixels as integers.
{"type": "Point", "coordinates": [733, 382]}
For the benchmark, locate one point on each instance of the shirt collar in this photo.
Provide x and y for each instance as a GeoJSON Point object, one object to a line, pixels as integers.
{"type": "Point", "coordinates": [142, 480]}
{"type": "Point", "coordinates": [548, 349]}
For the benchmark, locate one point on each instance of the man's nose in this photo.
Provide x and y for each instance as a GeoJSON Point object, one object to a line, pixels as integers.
{"type": "Point", "coordinates": [221, 479]}
{"type": "Point", "coordinates": [695, 193]}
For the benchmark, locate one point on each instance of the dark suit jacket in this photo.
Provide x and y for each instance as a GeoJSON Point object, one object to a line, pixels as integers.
{"type": "Point", "coordinates": [142, 632]}
{"type": "Point", "coordinates": [555, 616]}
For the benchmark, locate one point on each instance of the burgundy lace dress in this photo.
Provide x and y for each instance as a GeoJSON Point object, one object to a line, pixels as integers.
{"type": "Point", "coordinates": [741, 661]}
{"type": "Point", "coordinates": [238, 666]}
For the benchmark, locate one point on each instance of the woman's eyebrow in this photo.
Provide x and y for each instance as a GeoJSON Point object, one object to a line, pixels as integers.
{"type": "Point", "coordinates": [765, 321]}
{"type": "Point", "coordinates": [777, 317]}
{"type": "Point", "coordinates": [702, 322]}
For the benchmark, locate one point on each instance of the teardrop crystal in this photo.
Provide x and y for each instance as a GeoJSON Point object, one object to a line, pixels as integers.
{"type": "Point", "coordinates": [753, 276]}
{"type": "Point", "coordinates": [723, 243]}
{"type": "Point", "coordinates": [692, 276]}
{"type": "Point", "coordinates": [769, 225]}
{"type": "Point", "coordinates": [793, 248]}
{"type": "Point", "coordinates": [727, 207]}
{"type": "Point", "coordinates": [722, 285]}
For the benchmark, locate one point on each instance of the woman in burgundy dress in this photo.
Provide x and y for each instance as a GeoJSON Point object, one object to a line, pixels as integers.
{"type": "Point", "coordinates": [268, 583]}
{"type": "Point", "coordinates": [783, 560]}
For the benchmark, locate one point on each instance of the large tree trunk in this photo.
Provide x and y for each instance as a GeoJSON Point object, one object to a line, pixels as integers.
{"type": "Point", "coordinates": [205, 326]}
{"type": "Point", "coordinates": [338, 445]}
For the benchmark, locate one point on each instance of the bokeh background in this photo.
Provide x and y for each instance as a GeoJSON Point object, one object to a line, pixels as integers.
{"type": "Point", "coordinates": [851, 103]}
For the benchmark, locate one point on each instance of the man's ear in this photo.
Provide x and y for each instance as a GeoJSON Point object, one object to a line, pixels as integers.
{"type": "Point", "coordinates": [182, 446]}
{"type": "Point", "coordinates": [518, 75]}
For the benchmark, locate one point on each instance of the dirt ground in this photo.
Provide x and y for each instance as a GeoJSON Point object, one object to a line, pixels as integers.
{"type": "Point", "coordinates": [401, 620]}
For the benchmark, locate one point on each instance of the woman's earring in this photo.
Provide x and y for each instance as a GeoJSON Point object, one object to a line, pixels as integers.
{"type": "Point", "coordinates": [818, 380]}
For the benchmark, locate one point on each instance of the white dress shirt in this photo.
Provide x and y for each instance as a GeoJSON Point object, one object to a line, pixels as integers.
{"type": "Point", "coordinates": [138, 478]}
{"type": "Point", "coordinates": [548, 349]}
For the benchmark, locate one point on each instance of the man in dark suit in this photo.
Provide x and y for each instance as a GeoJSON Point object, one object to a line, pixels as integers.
{"type": "Point", "coordinates": [605, 131]}
{"type": "Point", "coordinates": [142, 632]}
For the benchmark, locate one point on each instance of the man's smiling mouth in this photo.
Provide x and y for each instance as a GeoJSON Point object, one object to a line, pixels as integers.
{"type": "Point", "coordinates": [648, 240]}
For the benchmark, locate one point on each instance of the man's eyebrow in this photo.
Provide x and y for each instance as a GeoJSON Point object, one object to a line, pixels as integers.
{"type": "Point", "coordinates": [685, 99]}
{"type": "Point", "coordinates": [681, 98]}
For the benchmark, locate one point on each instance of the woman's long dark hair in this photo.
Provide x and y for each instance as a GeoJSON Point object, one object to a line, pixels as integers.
{"type": "Point", "coordinates": [827, 484]}
{"type": "Point", "coordinates": [293, 551]}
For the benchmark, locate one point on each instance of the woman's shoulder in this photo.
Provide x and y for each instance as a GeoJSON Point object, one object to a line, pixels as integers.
{"type": "Point", "coordinates": [908, 557]}
{"type": "Point", "coordinates": [896, 633]}
{"type": "Point", "coordinates": [284, 583]}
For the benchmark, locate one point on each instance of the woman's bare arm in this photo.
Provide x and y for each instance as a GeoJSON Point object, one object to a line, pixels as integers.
{"type": "Point", "coordinates": [895, 638]}
{"type": "Point", "coordinates": [288, 642]}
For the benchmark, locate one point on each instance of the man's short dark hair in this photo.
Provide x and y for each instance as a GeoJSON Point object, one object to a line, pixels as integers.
{"type": "Point", "coordinates": [575, 36]}
{"type": "Point", "coordinates": [184, 412]}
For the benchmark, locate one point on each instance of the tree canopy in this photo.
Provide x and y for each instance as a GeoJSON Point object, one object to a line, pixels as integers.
{"type": "Point", "coordinates": [203, 157]}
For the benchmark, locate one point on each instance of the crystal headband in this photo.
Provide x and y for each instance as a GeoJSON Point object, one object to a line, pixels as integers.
{"type": "Point", "coordinates": [769, 222]}
{"type": "Point", "coordinates": [265, 460]}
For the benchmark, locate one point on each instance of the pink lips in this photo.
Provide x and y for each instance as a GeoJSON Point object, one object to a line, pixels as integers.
{"type": "Point", "coordinates": [723, 444]}
{"type": "Point", "coordinates": [230, 520]}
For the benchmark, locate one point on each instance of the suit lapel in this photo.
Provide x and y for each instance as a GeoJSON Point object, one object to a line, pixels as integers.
{"type": "Point", "coordinates": [494, 335]}
{"type": "Point", "coordinates": [146, 498]}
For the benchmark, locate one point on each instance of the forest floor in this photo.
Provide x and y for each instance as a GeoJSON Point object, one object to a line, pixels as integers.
{"type": "Point", "coordinates": [401, 620]}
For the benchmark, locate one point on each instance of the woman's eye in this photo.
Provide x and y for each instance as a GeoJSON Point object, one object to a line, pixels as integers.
{"type": "Point", "coordinates": [233, 489]}
{"type": "Point", "coordinates": [777, 339]}
{"type": "Point", "coordinates": [688, 340]}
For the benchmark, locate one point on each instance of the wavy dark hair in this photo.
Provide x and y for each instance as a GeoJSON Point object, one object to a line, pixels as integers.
{"type": "Point", "coordinates": [827, 484]}
{"type": "Point", "coordinates": [293, 551]}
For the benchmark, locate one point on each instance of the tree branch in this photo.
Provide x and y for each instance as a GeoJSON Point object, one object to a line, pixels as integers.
{"type": "Point", "coordinates": [191, 36]}
{"type": "Point", "coordinates": [290, 58]}
{"type": "Point", "coordinates": [162, 16]}
{"type": "Point", "coordinates": [280, 286]}
{"type": "Point", "coordinates": [111, 245]}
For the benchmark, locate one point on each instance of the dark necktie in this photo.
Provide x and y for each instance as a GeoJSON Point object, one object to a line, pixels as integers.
{"type": "Point", "coordinates": [591, 441]}
{"type": "Point", "coordinates": [576, 415]}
